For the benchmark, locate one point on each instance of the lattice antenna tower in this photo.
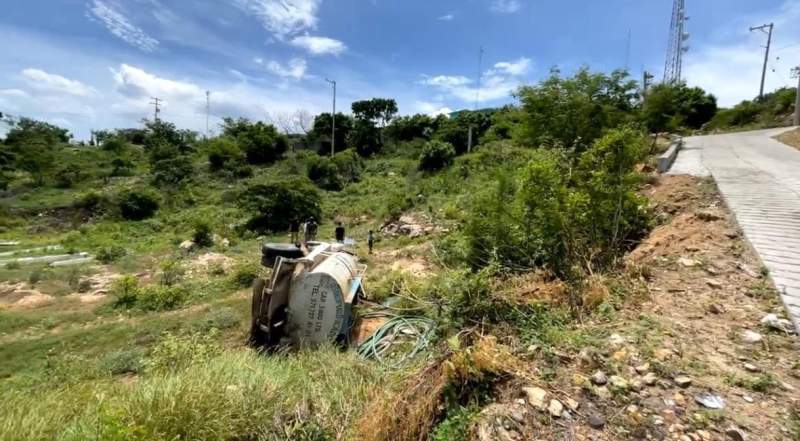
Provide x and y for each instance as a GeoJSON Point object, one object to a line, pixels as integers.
{"type": "Point", "coordinates": [676, 46]}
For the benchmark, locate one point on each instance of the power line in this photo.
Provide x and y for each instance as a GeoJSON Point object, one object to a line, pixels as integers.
{"type": "Point", "coordinates": [766, 54]}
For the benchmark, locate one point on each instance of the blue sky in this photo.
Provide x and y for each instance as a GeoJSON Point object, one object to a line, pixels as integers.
{"type": "Point", "coordinates": [90, 64]}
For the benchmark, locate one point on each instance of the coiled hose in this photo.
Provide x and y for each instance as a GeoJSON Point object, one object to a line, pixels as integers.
{"type": "Point", "coordinates": [418, 331]}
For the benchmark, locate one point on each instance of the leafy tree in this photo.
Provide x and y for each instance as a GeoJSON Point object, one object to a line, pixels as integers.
{"type": "Point", "coordinates": [672, 106]}
{"type": "Point", "coordinates": [224, 155]}
{"type": "Point", "coordinates": [436, 155]}
{"type": "Point", "coordinates": [160, 132]}
{"type": "Point", "coordinates": [407, 128]}
{"type": "Point", "coordinates": [272, 205]}
{"type": "Point", "coordinates": [334, 173]}
{"type": "Point", "coordinates": [260, 142]}
{"type": "Point", "coordinates": [27, 130]}
{"type": "Point", "coordinates": [365, 137]}
{"type": "Point", "coordinates": [322, 130]}
{"type": "Point", "coordinates": [171, 172]}
{"type": "Point", "coordinates": [573, 112]}
{"type": "Point", "coordinates": [455, 129]}
{"type": "Point", "coordinates": [121, 167]}
{"type": "Point", "coordinates": [377, 110]}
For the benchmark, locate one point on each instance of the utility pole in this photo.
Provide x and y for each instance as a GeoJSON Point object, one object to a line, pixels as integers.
{"type": "Point", "coordinates": [208, 111]}
{"type": "Point", "coordinates": [477, 98]}
{"type": "Point", "coordinates": [766, 54]}
{"type": "Point", "coordinates": [333, 119]}
{"type": "Point", "coordinates": [796, 74]}
{"type": "Point", "coordinates": [647, 80]}
{"type": "Point", "coordinates": [157, 104]}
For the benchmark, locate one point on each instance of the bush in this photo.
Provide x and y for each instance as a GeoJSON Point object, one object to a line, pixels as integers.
{"type": "Point", "coordinates": [114, 144]}
{"type": "Point", "coordinates": [161, 297]}
{"type": "Point", "coordinates": [218, 318]}
{"type": "Point", "coordinates": [96, 204]}
{"type": "Point", "coordinates": [225, 156]}
{"type": "Point", "coordinates": [137, 205]}
{"type": "Point", "coordinates": [272, 205]}
{"type": "Point", "coordinates": [436, 155]}
{"type": "Point", "coordinates": [243, 275]}
{"type": "Point", "coordinates": [69, 175]}
{"type": "Point", "coordinates": [202, 236]}
{"type": "Point", "coordinates": [546, 217]}
{"type": "Point", "coordinates": [365, 137]}
{"type": "Point", "coordinates": [125, 291]}
{"type": "Point", "coordinates": [110, 254]}
{"type": "Point", "coordinates": [121, 167]}
{"type": "Point", "coordinates": [325, 174]}
{"type": "Point", "coordinates": [260, 142]}
{"type": "Point", "coordinates": [171, 172]}
{"type": "Point", "coordinates": [670, 107]}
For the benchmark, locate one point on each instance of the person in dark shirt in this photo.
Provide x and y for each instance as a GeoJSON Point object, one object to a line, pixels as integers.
{"type": "Point", "coordinates": [339, 232]}
{"type": "Point", "coordinates": [370, 240]}
{"type": "Point", "coordinates": [294, 230]}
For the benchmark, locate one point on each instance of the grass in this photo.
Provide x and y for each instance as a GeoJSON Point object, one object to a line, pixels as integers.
{"type": "Point", "coordinates": [231, 395]}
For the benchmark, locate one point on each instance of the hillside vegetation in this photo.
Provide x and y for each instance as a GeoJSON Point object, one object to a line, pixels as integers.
{"type": "Point", "coordinates": [514, 246]}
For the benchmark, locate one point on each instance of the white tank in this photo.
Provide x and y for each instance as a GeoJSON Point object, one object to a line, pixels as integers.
{"type": "Point", "coordinates": [320, 301]}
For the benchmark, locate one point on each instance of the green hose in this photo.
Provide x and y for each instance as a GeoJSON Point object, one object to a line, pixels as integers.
{"type": "Point", "coordinates": [398, 329]}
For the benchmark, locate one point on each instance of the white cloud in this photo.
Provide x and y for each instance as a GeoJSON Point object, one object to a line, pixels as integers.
{"type": "Point", "coordinates": [294, 69]}
{"type": "Point", "coordinates": [432, 109]}
{"type": "Point", "coordinates": [120, 26]}
{"type": "Point", "coordinates": [496, 83]}
{"type": "Point", "coordinates": [518, 67]}
{"type": "Point", "coordinates": [319, 45]}
{"type": "Point", "coordinates": [134, 82]}
{"type": "Point", "coordinates": [283, 17]}
{"type": "Point", "coordinates": [14, 93]}
{"type": "Point", "coordinates": [446, 81]}
{"type": "Point", "coordinates": [258, 60]}
{"type": "Point", "coordinates": [446, 17]}
{"type": "Point", "coordinates": [46, 82]}
{"type": "Point", "coordinates": [506, 6]}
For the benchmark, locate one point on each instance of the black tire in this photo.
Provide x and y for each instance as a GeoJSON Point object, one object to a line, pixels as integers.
{"type": "Point", "coordinates": [258, 337]}
{"type": "Point", "coordinates": [271, 251]}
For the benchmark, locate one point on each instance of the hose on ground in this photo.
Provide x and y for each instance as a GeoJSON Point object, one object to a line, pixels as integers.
{"type": "Point", "coordinates": [418, 331]}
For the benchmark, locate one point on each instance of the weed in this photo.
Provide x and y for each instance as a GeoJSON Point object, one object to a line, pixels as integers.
{"type": "Point", "coordinates": [160, 297]}
{"type": "Point", "coordinates": [127, 361]}
{"type": "Point", "coordinates": [243, 275]}
{"type": "Point", "coordinates": [13, 265]}
{"type": "Point", "coordinates": [457, 424]}
{"type": "Point", "coordinates": [110, 254]}
{"type": "Point", "coordinates": [764, 382]}
{"type": "Point", "coordinates": [125, 291]}
{"type": "Point", "coordinates": [220, 318]}
{"type": "Point", "coordinates": [171, 272]}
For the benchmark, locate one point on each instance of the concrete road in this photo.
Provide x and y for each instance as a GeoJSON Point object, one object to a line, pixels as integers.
{"type": "Point", "coordinates": [759, 178]}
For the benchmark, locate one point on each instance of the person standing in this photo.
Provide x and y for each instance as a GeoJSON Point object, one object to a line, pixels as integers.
{"type": "Point", "coordinates": [294, 230]}
{"type": "Point", "coordinates": [370, 240]}
{"type": "Point", "coordinates": [339, 232]}
{"type": "Point", "coordinates": [311, 230]}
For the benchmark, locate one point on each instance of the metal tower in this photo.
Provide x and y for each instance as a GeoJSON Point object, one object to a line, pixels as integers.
{"type": "Point", "coordinates": [677, 43]}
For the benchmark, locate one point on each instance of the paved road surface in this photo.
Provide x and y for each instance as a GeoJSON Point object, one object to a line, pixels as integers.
{"type": "Point", "coordinates": [759, 178]}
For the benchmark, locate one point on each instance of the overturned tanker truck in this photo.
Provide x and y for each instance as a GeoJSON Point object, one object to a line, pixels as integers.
{"type": "Point", "coordinates": [309, 298]}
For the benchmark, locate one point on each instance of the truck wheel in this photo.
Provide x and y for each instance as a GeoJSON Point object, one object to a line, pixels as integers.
{"type": "Point", "coordinates": [258, 337]}
{"type": "Point", "coordinates": [271, 251]}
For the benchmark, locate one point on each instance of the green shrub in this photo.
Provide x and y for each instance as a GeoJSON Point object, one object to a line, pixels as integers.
{"type": "Point", "coordinates": [114, 144]}
{"type": "Point", "coordinates": [137, 205]}
{"type": "Point", "coordinates": [325, 174]}
{"type": "Point", "coordinates": [436, 155]}
{"type": "Point", "coordinates": [125, 291]}
{"type": "Point", "coordinates": [272, 205]}
{"type": "Point", "coordinates": [171, 272]}
{"type": "Point", "coordinates": [122, 167]}
{"type": "Point", "coordinates": [161, 298]}
{"type": "Point", "coordinates": [202, 236]}
{"type": "Point", "coordinates": [243, 275]}
{"type": "Point", "coordinates": [171, 172]}
{"type": "Point", "coordinates": [69, 175]}
{"type": "Point", "coordinates": [545, 216]}
{"type": "Point", "coordinates": [36, 276]}
{"type": "Point", "coordinates": [349, 165]}
{"type": "Point", "coordinates": [110, 254]}
{"type": "Point", "coordinates": [94, 203]}
{"type": "Point", "coordinates": [260, 142]}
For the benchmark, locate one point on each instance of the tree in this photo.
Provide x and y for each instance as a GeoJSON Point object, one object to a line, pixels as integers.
{"type": "Point", "coordinates": [407, 128]}
{"type": "Point", "coordinates": [455, 129]}
{"type": "Point", "coordinates": [33, 146]}
{"type": "Point", "coordinates": [272, 205]}
{"type": "Point", "coordinates": [365, 137]}
{"type": "Point", "coordinates": [261, 142]}
{"type": "Point", "coordinates": [378, 110]}
{"type": "Point", "coordinates": [322, 131]}
{"type": "Point", "coordinates": [673, 106]}
{"type": "Point", "coordinates": [160, 132]}
{"type": "Point", "coordinates": [573, 112]}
